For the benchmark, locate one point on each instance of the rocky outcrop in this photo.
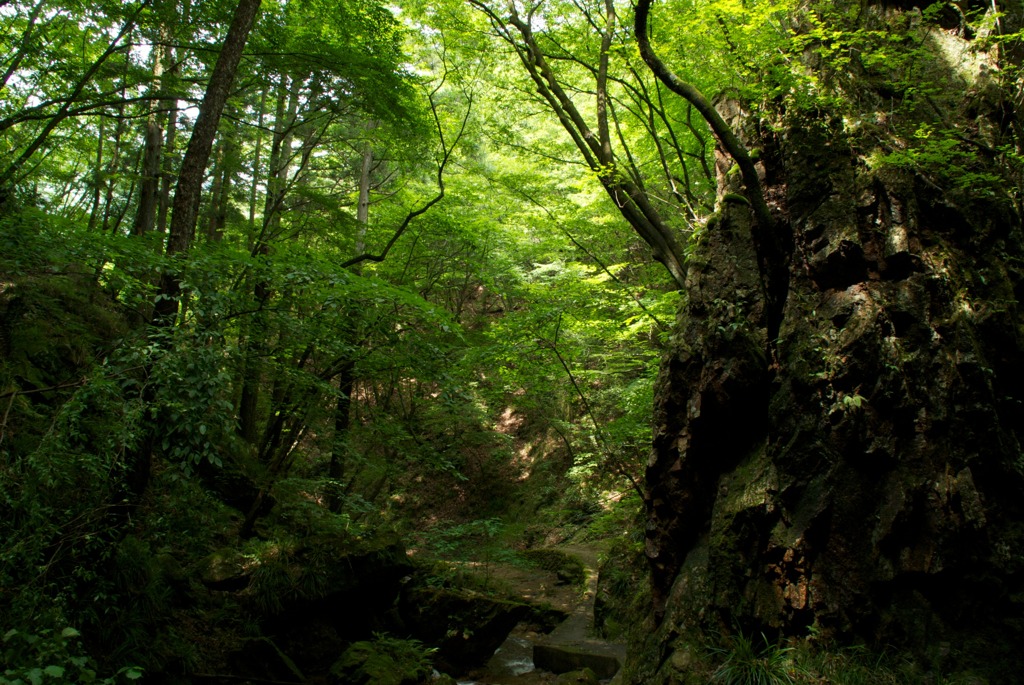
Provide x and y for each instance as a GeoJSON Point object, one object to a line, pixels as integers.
{"type": "Point", "coordinates": [861, 473]}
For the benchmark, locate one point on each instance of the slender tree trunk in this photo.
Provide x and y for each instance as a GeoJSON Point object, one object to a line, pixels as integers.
{"type": "Point", "coordinates": [346, 378]}
{"type": "Point", "coordinates": [149, 184]}
{"type": "Point", "coordinates": [248, 402]}
{"type": "Point", "coordinates": [214, 220]}
{"type": "Point", "coordinates": [337, 469]}
{"type": "Point", "coordinates": [256, 164]}
{"type": "Point", "coordinates": [97, 177]}
{"type": "Point", "coordinates": [112, 169]}
{"type": "Point", "coordinates": [280, 157]}
{"type": "Point", "coordinates": [171, 136]}
{"type": "Point", "coordinates": [253, 377]}
{"type": "Point", "coordinates": [185, 210]}
{"type": "Point", "coordinates": [363, 208]}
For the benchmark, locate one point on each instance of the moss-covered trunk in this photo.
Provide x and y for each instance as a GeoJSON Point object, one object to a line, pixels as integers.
{"type": "Point", "coordinates": [860, 477]}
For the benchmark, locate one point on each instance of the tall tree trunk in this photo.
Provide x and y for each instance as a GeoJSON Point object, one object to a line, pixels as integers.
{"type": "Point", "coordinates": [149, 184]}
{"type": "Point", "coordinates": [338, 466]}
{"type": "Point", "coordinates": [280, 157]}
{"type": "Point", "coordinates": [166, 166]}
{"type": "Point", "coordinates": [183, 221]}
{"type": "Point", "coordinates": [185, 210]}
{"type": "Point", "coordinates": [255, 345]}
{"type": "Point", "coordinates": [220, 193]}
{"type": "Point", "coordinates": [363, 206]}
{"type": "Point", "coordinates": [336, 470]}
{"type": "Point", "coordinates": [256, 164]}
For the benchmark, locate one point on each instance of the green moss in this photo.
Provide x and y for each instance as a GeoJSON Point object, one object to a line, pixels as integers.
{"type": "Point", "coordinates": [736, 199]}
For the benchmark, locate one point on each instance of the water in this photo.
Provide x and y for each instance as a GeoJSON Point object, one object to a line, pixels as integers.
{"type": "Point", "coordinates": [512, 663]}
{"type": "Point", "coordinates": [514, 657]}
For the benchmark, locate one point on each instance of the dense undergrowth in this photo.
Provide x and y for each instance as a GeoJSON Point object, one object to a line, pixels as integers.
{"type": "Point", "coordinates": [116, 569]}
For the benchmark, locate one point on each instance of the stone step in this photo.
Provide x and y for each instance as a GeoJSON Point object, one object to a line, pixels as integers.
{"type": "Point", "coordinates": [558, 656]}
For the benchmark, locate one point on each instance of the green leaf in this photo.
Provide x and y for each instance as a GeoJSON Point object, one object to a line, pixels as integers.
{"type": "Point", "coordinates": [55, 671]}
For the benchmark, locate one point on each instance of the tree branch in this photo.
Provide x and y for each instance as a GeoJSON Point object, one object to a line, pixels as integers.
{"type": "Point", "coordinates": [730, 141]}
{"type": "Point", "coordinates": [115, 46]}
{"type": "Point", "coordinates": [445, 157]}
{"type": "Point", "coordinates": [770, 243]}
{"type": "Point", "coordinates": [613, 458]}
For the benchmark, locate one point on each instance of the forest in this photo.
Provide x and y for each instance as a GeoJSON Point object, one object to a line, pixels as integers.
{"type": "Point", "coordinates": [666, 341]}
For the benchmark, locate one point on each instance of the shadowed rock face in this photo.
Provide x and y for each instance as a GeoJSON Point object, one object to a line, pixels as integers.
{"type": "Point", "coordinates": [863, 474]}
{"type": "Point", "coordinates": [565, 658]}
{"type": "Point", "coordinates": [466, 627]}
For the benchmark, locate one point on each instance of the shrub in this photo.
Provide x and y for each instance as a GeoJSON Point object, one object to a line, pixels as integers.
{"type": "Point", "coordinates": [385, 660]}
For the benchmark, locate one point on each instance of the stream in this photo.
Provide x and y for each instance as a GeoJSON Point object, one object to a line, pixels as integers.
{"type": "Point", "coordinates": [512, 663]}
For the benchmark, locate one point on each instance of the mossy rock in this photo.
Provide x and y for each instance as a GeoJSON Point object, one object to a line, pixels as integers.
{"type": "Point", "coordinates": [227, 570]}
{"type": "Point", "coordinates": [584, 676]}
{"type": "Point", "coordinates": [569, 569]}
{"type": "Point", "coordinates": [466, 626]}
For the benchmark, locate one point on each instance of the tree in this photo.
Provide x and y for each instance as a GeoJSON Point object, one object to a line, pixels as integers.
{"type": "Point", "coordinates": [190, 177]}
{"type": "Point", "coordinates": [543, 36]}
{"type": "Point", "coordinates": [63, 105]}
{"type": "Point", "coordinates": [855, 467]}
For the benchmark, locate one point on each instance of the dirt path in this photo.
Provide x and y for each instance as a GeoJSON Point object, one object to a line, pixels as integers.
{"type": "Point", "coordinates": [513, 663]}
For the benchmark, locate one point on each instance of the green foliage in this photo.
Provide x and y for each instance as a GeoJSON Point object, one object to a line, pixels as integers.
{"type": "Point", "coordinates": [192, 398]}
{"type": "Point", "coordinates": [385, 660]}
{"type": "Point", "coordinates": [462, 540]}
{"type": "Point", "coordinates": [52, 657]}
{"type": "Point", "coordinates": [757, 661]}
{"type": "Point", "coordinates": [852, 666]}
{"type": "Point", "coordinates": [745, 662]}
{"type": "Point", "coordinates": [622, 517]}
{"type": "Point", "coordinates": [355, 47]}
{"type": "Point", "coordinates": [285, 570]}
{"type": "Point", "coordinates": [946, 157]}
{"type": "Point", "coordinates": [301, 509]}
